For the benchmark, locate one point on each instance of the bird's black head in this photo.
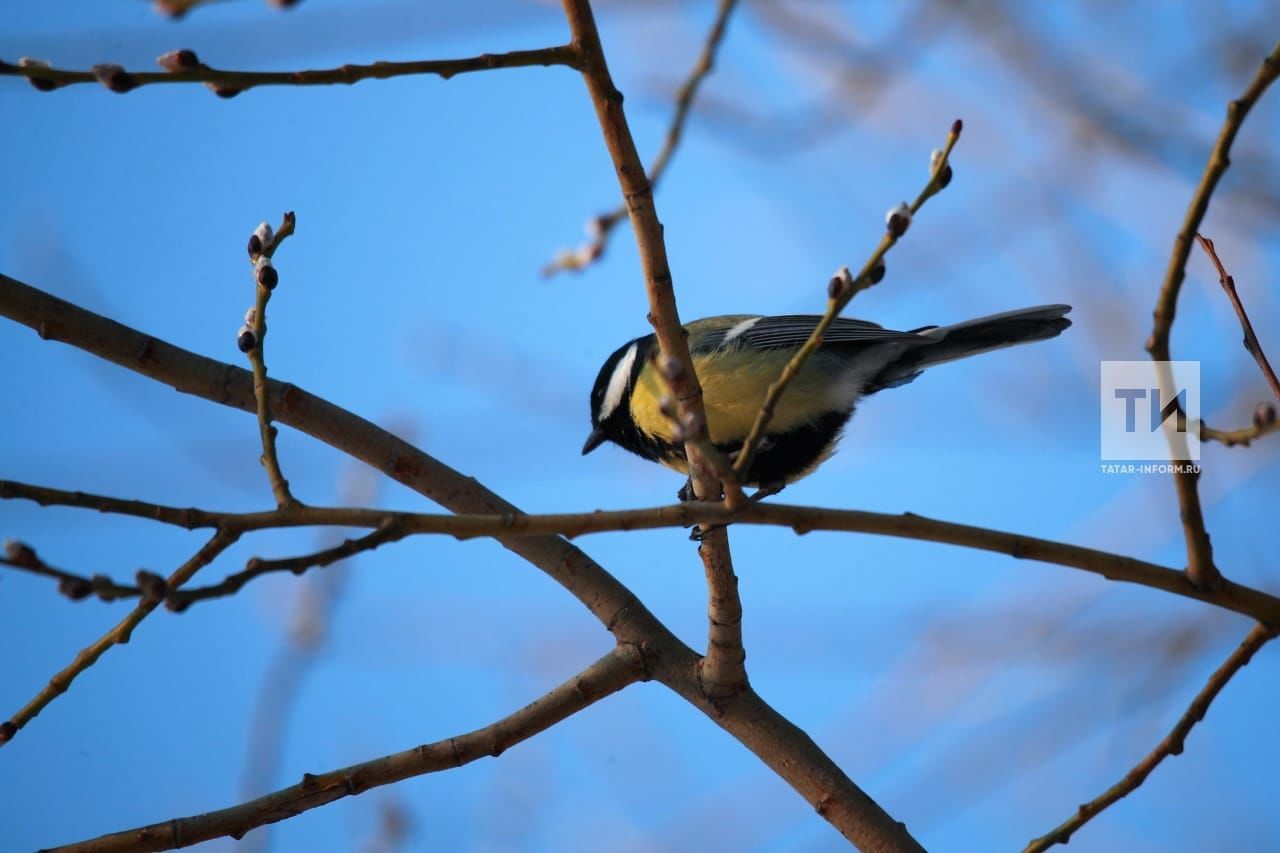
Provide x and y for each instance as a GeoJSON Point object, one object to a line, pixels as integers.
{"type": "Point", "coordinates": [610, 398]}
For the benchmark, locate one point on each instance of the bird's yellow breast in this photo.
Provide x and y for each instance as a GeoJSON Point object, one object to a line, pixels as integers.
{"type": "Point", "coordinates": [734, 386]}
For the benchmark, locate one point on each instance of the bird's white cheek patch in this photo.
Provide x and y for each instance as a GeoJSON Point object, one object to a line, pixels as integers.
{"type": "Point", "coordinates": [617, 383]}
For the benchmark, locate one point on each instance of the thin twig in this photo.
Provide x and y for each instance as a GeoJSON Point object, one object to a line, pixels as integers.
{"type": "Point", "coordinates": [1171, 745]}
{"type": "Point", "coordinates": [622, 666]}
{"type": "Point", "coordinates": [513, 526]}
{"type": "Point", "coordinates": [602, 226]}
{"type": "Point", "coordinates": [1264, 423]}
{"type": "Point", "coordinates": [264, 286]}
{"type": "Point", "coordinates": [228, 83]}
{"type": "Point", "coordinates": [389, 531]}
{"type": "Point", "coordinates": [1200, 566]}
{"type": "Point", "coordinates": [1251, 343]}
{"type": "Point", "coordinates": [118, 635]}
{"type": "Point", "coordinates": [842, 289]}
{"type": "Point", "coordinates": [20, 555]}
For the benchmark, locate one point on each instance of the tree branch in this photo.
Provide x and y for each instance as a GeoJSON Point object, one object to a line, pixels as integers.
{"type": "Point", "coordinates": [512, 526]}
{"type": "Point", "coordinates": [1200, 567]}
{"type": "Point", "coordinates": [602, 226]}
{"type": "Point", "coordinates": [1171, 745]}
{"type": "Point", "coordinates": [254, 339]}
{"type": "Point", "coordinates": [119, 635]}
{"type": "Point", "coordinates": [842, 289]}
{"type": "Point", "coordinates": [20, 555]}
{"type": "Point", "coordinates": [187, 68]}
{"type": "Point", "coordinates": [724, 606]}
{"type": "Point", "coordinates": [622, 666]}
{"type": "Point", "coordinates": [1251, 343]}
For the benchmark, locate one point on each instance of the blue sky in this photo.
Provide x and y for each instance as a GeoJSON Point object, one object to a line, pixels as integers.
{"type": "Point", "coordinates": [978, 698]}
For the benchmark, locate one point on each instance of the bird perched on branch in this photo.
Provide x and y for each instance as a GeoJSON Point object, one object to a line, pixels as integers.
{"type": "Point", "coordinates": [737, 358]}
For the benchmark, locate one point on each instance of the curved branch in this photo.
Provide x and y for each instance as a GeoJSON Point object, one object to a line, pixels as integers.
{"type": "Point", "coordinates": [602, 226]}
{"type": "Point", "coordinates": [1251, 343]}
{"type": "Point", "coordinates": [622, 666]}
{"type": "Point", "coordinates": [1200, 567]}
{"type": "Point", "coordinates": [1171, 745]}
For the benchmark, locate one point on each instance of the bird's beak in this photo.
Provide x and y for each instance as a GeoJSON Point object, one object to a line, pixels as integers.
{"type": "Point", "coordinates": [594, 440]}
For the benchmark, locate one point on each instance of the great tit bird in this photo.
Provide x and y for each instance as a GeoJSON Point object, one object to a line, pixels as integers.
{"type": "Point", "coordinates": [738, 356]}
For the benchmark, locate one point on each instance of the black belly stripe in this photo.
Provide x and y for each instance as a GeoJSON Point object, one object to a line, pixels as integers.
{"type": "Point", "coordinates": [787, 454]}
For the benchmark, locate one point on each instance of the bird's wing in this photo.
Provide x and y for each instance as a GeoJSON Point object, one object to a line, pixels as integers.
{"type": "Point", "coordinates": [792, 330]}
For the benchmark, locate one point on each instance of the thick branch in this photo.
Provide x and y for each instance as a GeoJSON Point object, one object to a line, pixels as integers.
{"type": "Point", "coordinates": [793, 755]}
{"type": "Point", "coordinates": [1171, 745]}
{"type": "Point", "coordinates": [511, 526]}
{"type": "Point", "coordinates": [637, 191]}
{"type": "Point", "coordinates": [229, 83]}
{"type": "Point", "coordinates": [55, 319]}
{"type": "Point", "coordinates": [621, 667]}
{"type": "Point", "coordinates": [1200, 567]}
{"type": "Point", "coordinates": [723, 671]}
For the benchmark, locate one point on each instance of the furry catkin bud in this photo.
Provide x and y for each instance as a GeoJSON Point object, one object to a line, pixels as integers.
{"type": "Point", "coordinates": [114, 77]}
{"type": "Point", "coordinates": [898, 220]}
{"type": "Point", "coordinates": [877, 273]}
{"type": "Point", "coordinates": [265, 273]}
{"type": "Point", "coordinates": [75, 588]}
{"type": "Point", "coordinates": [250, 315]}
{"type": "Point", "coordinates": [945, 177]}
{"type": "Point", "coordinates": [176, 61]}
{"type": "Point", "coordinates": [255, 247]}
{"type": "Point", "coordinates": [1264, 416]}
{"type": "Point", "coordinates": [835, 288]}
{"type": "Point", "coordinates": [224, 91]}
{"type": "Point", "coordinates": [153, 586]}
{"type": "Point", "coordinates": [840, 285]}
{"type": "Point", "coordinates": [264, 234]}
{"type": "Point", "coordinates": [246, 340]}
{"type": "Point", "coordinates": [42, 84]}
{"type": "Point", "coordinates": [19, 552]}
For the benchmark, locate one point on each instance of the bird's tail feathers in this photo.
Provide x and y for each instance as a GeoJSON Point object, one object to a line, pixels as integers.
{"type": "Point", "coordinates": [948, 343]}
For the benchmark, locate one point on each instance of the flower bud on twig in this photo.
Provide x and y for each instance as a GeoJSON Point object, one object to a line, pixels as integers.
{"type": "Point", "coordinates": [898, 220]}
{"type": "Point", "coordinates": [1264, 416]}
{"type": "Point", "coordinates": [42, 84]}
{"type": "Point", "coordinates": [245, 339]}
{"type": "Point", "coordinates": [176, 61]}
{"type": "Point", "coordinates": [75, 589]}
{"type": "Point", "coordinates": [153, 587]}
{"type": "Point", "coordinates": [19, 552]}
{"type": "Point", "coordinates": [114, 77]}
{"type": "Point", "coordinates": [224, 91]}
{"type": "Point", "coordinates": [265, 273]}
{"type": "Point", "coordinates": [840, 285]}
